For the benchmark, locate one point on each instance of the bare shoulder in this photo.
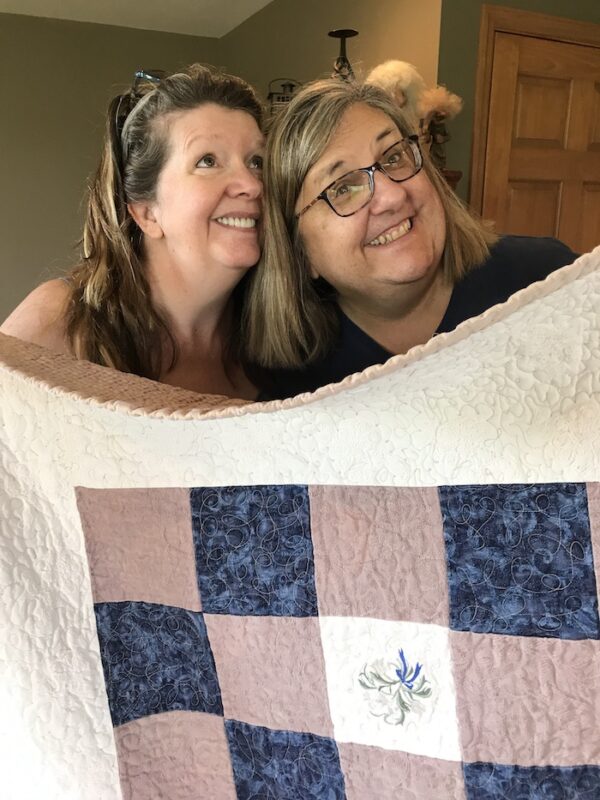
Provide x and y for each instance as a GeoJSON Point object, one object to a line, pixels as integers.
{"type": "Point", "coordinates": [40, 318]}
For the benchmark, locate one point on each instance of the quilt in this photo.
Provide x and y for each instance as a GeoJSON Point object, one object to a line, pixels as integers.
{"type": "Point", "coordinates": [385, 589]}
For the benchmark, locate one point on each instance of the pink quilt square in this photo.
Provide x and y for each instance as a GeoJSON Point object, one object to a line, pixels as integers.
{"type": "Point", "coordinates": [526, 700]}
{"type": "Point", "coordinates": [139, 545]}
{"type": "Point", "coordinates": [593, 496]}
{"type": "Point", "coordinates": [379, 552]}
{"type": "Point", "coordinates": [271, 671]}
{"type": "Point", "coordinates": [179, 755]}
{"type": "Point", "coordinates": [372, 772]}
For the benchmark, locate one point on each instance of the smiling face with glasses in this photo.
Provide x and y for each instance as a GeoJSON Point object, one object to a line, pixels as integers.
{"type": "Point", "coordinates": [370, 231]}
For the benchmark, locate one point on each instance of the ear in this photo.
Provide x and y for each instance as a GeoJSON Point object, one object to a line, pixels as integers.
{"type": "Point", "coordinates": [313, 273]}
{"type": "Point", "coordinates": [144, 215]}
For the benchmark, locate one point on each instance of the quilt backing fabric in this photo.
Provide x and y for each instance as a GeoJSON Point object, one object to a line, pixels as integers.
{"type": "Point", "coordinates": [387, 589]}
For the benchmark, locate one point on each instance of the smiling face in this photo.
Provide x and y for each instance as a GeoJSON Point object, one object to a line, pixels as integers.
{"type": "Point", "coordinates": [205, 214]}
{"type": "Point", "coordinates": [395, 240]}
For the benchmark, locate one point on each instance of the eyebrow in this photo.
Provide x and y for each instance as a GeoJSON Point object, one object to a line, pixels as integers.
{"type": "Point", "coordinates": [209, 138]}
{"type": "Point", "coordinates": [329, 169]}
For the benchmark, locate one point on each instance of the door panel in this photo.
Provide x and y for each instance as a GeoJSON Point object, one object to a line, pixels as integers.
{"type": "Point", "coordinates": [542, 163]}
{"type": "Point", "coordinates": [533, 207]}
{"type": "Point", "coordinates": [532, 125]}
{"type": "Point", "coordinates": [595, 106]}
{"type": "Point", "coordinates": [590, 215]}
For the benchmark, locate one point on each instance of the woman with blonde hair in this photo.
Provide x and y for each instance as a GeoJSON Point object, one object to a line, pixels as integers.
{"type": "Point", "coordinates": [367, 251]}
{"type": "Point", "coordinates": [170, 231]}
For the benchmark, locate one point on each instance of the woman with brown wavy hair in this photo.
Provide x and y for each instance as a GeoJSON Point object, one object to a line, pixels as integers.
{"type": "Point", "coordinates": [170, 231]}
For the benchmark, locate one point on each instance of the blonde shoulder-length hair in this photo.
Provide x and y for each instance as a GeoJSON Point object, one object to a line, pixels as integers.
{"type": "Point", "coordinates": [290, 320]}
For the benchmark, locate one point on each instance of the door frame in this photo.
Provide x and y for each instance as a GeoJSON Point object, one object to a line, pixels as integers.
{"type": "Point", "coordinates": [499, 19]}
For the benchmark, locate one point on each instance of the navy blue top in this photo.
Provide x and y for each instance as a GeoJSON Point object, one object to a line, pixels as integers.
{"type": "Point", "coordinates": [514, 263]}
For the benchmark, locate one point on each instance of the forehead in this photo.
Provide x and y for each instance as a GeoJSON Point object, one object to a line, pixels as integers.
{"type": "Point", "coordinates": [211, 122]}
{"type": "Point", "coordinates": [357, 140]}
{"type": "Point", "coordinates": [359, 122]}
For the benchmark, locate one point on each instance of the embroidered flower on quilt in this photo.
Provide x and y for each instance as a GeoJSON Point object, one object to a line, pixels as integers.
{"type": "Point", "coordinates": [399, 689]}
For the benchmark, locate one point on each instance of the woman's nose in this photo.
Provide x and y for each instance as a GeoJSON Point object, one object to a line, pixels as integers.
{"type": "Point", "coordinates": [387, 194]}
{"type": "Point", "coordinates": [247, 182]}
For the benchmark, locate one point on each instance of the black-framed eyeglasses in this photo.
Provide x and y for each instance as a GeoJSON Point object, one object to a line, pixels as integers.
{"type": "Point", "coordinates": [354, 190]}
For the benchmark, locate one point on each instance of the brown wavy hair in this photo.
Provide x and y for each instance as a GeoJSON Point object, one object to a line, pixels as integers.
{"type": "Point", "coordinates": [110, 317]}
{"type": "Point", "coordinates": [290, 319]}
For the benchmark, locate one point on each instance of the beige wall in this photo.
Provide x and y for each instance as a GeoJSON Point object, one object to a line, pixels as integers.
{"type": "Point", "coordinates": [55, 81]}
{"type": "Point", "coordinates": [56, 78]}
{"type": "Point", "coordinates": [288, 38]}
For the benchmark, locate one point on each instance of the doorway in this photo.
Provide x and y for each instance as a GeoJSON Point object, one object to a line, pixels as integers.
{"type": "Point", "coordinates": [536, 148]}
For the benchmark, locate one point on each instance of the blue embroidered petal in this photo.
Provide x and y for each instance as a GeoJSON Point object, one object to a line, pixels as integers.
{"type": "Point", "coordinates": [402, 673]}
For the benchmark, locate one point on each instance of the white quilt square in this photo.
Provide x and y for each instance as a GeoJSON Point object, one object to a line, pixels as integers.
{"type": "Point", "coordinates": [390, 685]}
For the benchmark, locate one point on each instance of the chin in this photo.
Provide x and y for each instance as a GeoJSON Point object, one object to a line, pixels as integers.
{"type": "Point", "coordinates": [242, 261]}
{"type": "Point", "coordinates": [251, 261]}
{"type": "Point", "coordinates": [405, 273]}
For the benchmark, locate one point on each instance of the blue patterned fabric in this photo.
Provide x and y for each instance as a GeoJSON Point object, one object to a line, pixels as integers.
{"type": "Point", "coordinates": [520, 560]}
{"type": "Point", "coordinates": [504, 782]}
{"type": "Point", "coordinates": [254, 552]}
{"type": "Point", "coordinates": [281, 764]}
{"type": "Point", "coordinates": [155, 658]}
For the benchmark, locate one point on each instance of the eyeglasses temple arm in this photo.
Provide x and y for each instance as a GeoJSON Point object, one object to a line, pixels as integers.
{"type": "Point", "coordinates": [311, 204]}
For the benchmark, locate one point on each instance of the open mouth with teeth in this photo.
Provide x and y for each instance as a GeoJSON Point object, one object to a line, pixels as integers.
{"type": "Point", "coordinates": [237, 222]}
{"type": "Point", "coordinates": [391, 236]}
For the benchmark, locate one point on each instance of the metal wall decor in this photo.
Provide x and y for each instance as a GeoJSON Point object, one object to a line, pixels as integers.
{"type": "Point", "coordinates": [342, 67]}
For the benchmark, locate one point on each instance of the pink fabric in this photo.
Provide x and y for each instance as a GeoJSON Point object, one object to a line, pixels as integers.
{"type": "Point", "coordinates": [271, 671]}
{"type": "Point", "coordinates": [182, 752]}
{"type": "Point", "coordinates": [139, 544]}
{"type": "Point", "coordinates": [375, 532]}
{"type": "Point", "coordinates": [527, 700]}
{"type": "Point", "coordinates": [593, 495]}
{"type": "Point", "coordinates": [372, 772]}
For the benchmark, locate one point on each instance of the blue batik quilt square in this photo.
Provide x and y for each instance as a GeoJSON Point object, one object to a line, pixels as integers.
{"type": "Point", "coordinates": [283, 764]}
{"type": "Point", "coordinates": [520, 560]}
{"type": "Point", "coordinates": [155, 658]}
{"type": "Point", "coordinates": [508, 782]}
{"type": "Point", "coordinates": [254, 553]}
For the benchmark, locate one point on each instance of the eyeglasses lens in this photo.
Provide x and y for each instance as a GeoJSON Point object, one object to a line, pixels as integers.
{"type": "Point", "coordinates": [354, 190]}
{"type": "Point", "coordinates": [350, 193]}
{"type": "Point", "coordinates": [400, 163]}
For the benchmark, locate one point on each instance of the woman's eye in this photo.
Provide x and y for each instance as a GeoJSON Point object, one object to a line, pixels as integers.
{"type": "Point", "coordinates": [256, 162]}
{"type": "Point", "coordinates": [395, 158]}
{"type": "Point", "coordinates": [207, 161]}
{"type": "Point", "coordinates": [340, 189]}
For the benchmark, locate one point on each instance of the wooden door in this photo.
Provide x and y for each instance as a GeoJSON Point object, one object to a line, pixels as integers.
{"type": "Point", "coordinates": [540, 159]}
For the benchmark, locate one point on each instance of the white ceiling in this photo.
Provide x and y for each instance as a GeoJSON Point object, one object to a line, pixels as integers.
{"type": "Point", "coordinates": [193, 17]}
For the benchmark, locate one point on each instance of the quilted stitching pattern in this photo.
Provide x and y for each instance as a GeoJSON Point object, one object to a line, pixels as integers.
{"type": "Point", "coordinates": [253, 550]}
{"type": "Point", "coordinates": [155, 658]}
{"type": "Point", "coordinates": [521, 561]}
{"type": "Point", "coordinates": [380, 684]}
{"type": "Point", "coordinates": [509, 398]}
